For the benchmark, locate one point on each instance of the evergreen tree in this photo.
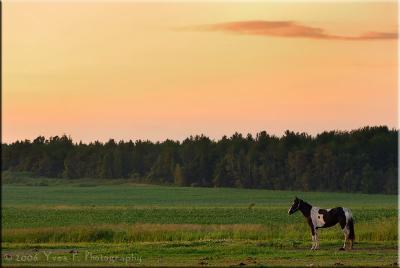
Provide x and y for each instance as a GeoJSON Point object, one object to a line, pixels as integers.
{"type": "Point", "coordinates": [179, 178]}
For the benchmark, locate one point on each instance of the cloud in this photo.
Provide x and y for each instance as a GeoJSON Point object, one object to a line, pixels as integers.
{"type": "Point", "coordinates": [284, 29]}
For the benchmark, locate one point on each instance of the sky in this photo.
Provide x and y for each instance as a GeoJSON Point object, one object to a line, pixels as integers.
{"type": "Point", "coordinates": [168, 70]}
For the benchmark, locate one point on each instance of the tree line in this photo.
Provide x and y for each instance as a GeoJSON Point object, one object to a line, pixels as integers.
{"type": "Point", "coordinates": [361, 160]}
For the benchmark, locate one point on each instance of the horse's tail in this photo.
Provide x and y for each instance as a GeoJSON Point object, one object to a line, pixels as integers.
{"type": "Point", "coordinates": [351, 228]}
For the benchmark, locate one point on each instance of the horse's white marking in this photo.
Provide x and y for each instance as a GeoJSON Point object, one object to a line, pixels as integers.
{"type": "Point", "coordinates": [347, 214]}
{"type": "Point", "coordinates": [290, 208]}
{"type": "Point", "coordinates": [316, 218]}
{"type": "Point", "coordinates": [298, 205]}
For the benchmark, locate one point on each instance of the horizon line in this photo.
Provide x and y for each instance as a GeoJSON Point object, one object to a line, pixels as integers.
{"type": "Point", "coordinates": [244, 135]}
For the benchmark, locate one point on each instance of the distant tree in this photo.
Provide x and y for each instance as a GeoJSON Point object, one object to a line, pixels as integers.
{"type": "Point", "coordinates": [179, 178]}
{"type": "Point", "coordinates": [348, 181]}
{"type": "Point", "coordinates": [368, 180]}
{"type": "Point", "coordinates": [71, 170]}
{"type": "Point", "coordinates": [391, 181]}
{"type": "Point", "coordinates": [117, 163]}
{"type": "Point", "coordinates": [106, 171]}
{"type": "Point", "coordinates": [224, 172]}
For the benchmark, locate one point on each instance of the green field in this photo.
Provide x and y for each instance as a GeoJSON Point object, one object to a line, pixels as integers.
{"type": "Point", "coordinates": [84, 224]}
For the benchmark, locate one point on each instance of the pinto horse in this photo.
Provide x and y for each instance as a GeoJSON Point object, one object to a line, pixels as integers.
{"type": "Point", "coordinates": [323, 218]}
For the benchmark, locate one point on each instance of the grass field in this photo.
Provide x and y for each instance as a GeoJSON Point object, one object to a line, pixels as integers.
{"type": "Point", "coordinates": [127, 224]}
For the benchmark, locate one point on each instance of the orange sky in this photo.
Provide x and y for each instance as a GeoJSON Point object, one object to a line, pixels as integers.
{"type": "Point", "coordinates": [134, 70]}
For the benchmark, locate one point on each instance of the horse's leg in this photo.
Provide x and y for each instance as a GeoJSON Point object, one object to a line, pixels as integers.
{"type": "Point", "coordinates": [310, 223]}
{"type": "Point", "coordinates": [350, 227]}
{"type": "Point", "coordinates": [313, 242]}
{"type": "Point", "coordinates": [316, 240]}
{"type": "Point", "coordinates": [343, 225]}
{"type": "Point", "coordinates": [346, 232]}
{"type": "Point", "coordinates": [345, 241]}
{"type": "Point", "coordinates": [351, 244]}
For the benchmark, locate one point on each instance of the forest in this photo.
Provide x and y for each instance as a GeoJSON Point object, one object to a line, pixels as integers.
{"type": "Point", "coordinates": [361, 160]}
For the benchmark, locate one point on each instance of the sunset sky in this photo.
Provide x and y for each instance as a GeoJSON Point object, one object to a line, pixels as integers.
{"type": "Point", "coordinates": [134, 70]}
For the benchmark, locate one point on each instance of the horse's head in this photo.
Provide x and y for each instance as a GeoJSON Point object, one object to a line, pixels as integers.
{"type": "Point", "coordinates": [295, 206]}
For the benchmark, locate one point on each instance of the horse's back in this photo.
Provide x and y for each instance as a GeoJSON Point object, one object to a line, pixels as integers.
{"type": "Point", "coordinates": [341, 211]}
{"type": "Point", "coordinates": [344, 216]}
{"type": "Point", "coordinates": [348, 214]}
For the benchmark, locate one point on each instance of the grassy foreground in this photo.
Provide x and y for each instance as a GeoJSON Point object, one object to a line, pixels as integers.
{"type": "Point", "coordinates": [198, 253]}
{"type": "Point", "coordinates": [136, 225]}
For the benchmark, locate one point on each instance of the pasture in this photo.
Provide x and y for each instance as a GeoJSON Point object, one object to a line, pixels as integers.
{"type": "Point", "coordinates": [75, 223]}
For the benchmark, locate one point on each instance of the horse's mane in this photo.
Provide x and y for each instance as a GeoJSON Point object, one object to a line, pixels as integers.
{"type": "Point", "coordinates": [305, 208]}
{"type": "Point", "coordinates": [306, 203]}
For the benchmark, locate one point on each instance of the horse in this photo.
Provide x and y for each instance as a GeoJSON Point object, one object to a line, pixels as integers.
{"type": "Point", "coordinates": [324, 218]}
